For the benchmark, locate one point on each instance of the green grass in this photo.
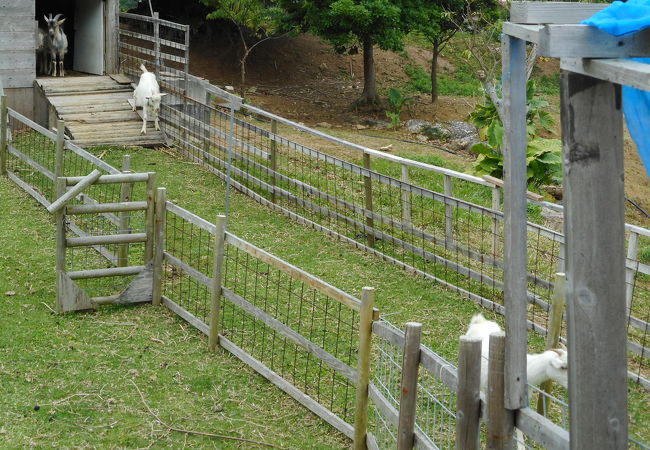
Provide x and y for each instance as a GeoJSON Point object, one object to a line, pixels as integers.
{"type": "Point", "coordinates": [70, 380]}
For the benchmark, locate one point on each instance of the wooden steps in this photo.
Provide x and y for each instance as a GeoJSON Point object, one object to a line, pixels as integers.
{"type": "Point", "coordinates": [96, 110]}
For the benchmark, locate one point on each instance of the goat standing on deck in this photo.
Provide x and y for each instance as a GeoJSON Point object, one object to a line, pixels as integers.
{"type": "Point", "coordinates": [147, 95]}
{"type": "Point", "coordinates": [57, 42]}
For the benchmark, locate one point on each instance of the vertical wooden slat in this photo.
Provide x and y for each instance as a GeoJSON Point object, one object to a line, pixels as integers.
{"type": "Point", "coordinates": [3, 134]}
{"type": "Point", "coordinates": [363, 367]}
{"type": "Point", "coordinates": [468, 400]}
{"type": "Point", "coordinates": [409, 385]}
{"type": "Point", "coordinates": [59, 220]}
{"type": "Point", "coordinates": [159, 245]}
{"type": "Point", "coordinates": [187, 57]}
{"type": "Point", "coordinates": [553, 334]}
{"type": "Point", "coordinates": [500, 420]}
{"type": "Point", "coordinates": [496, 205]}
{"type": "Point", "coordinates": [215, 289]}
{"type": "Point", "coordinates": [126, 190]}
{"type": "Point", "coordinates": [367, 181]}
{"type": "Point", "coordinates": [149, 217]}
{"type": "Point", "coordinates": [156, 43]}
{"type": "Point", "coordinates": [449, 210]}
{"type": "Point", "coordinates": [632, 254]}
{"type": "Point", "coordinates": [274, 159]}
{"type": "Point", "coordinates": [406, 198]}
{"type": "Point", "coordinates": [515, 220]}
{"type": "Point", "coordinates": [59, 156]}
{"type": "Point", "coordinates": [592, 135]}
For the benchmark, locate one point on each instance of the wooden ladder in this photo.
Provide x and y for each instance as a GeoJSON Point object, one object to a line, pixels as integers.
{"type": "Point", "coordinates": [71, 297]}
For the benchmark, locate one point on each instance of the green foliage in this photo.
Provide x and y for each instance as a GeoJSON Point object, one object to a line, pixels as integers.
{"type": "Point", "coordinates": [126, 5]}
{"type": "Point", "coordinates": [544, 162]}
{"type": "Point", "coordinates": [420, 80]}
{"type": "Point", "coordinates": [396, 102]}
{"type": "Point", "coordinates": [257, 16]}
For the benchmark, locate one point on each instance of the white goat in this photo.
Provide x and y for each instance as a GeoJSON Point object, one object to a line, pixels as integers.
{"type": "Point", "coordinates": [147, 95]}
{"type": "Point", "coordinates": [57, 42]}
{"type": "Point", "coordinates": [549, 365]}
{"type": "Point", "coordinates": [42, 52]}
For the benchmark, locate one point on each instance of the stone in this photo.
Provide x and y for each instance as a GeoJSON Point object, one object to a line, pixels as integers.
{"type": "Point", "coordinates": [324, 125]}
{"type": "Point", "coordinates": [416, 125]}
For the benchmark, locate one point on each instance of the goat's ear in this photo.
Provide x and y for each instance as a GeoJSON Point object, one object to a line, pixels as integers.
{"type": "Point", "coordinates": [46, 19]}
{"type": "Point", "coordinates": [60, 22]}
{"type": "Point", "coordinates": [162, 95]}
{"type": "Point", "coordinates": [559, 364]}
{"type": "Point", "coordinates": [563, 347]}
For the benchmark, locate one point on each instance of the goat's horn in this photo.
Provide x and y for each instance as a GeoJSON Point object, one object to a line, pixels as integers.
{"type": "Point", "coordinates": [56, 17]}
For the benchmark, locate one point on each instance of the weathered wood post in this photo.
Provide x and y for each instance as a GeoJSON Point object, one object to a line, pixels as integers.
{"type": "Point", "coordinates": [406, 198]}
{"type": "Point", "coordinates": [159, 245]}
{"type": "Point", "coordinates": [156, 43]}
{"type": "Point", "coordinates": [632, 254]}
{"type": "Point", "coordinates": [468, 399]}
{"type": "Point", "coordinates": [59, 155]}
{"type": "Point", "coordinates": [59, 220]}
{"type": "Point", "coordinates": [500, 419]}
{"type": "Point", "coordinates": [366, 315]}
{"type": "Point", "coordinates": [515, 219]}
{"type": "Point", "coordinates": [367, 181]}
{"type": "Point", "coordinates": [150, 217]}
{"type": "Point", "coordinates": [409, 386]}
{"type": "Point", "coordinates": [592, 135]}
{"type": "Point", "coordinates": [274, 159]}
{"type": "Point", "coordinates": [126, 190]}
{"type": "Point", "coordinates": [217, 279]}
{"type": "Point", "coordinates": [449, 211]}
{"type": "Point", "coordinates": [3, 134]}
{"type": "Point", "coordinates": [553, 335]}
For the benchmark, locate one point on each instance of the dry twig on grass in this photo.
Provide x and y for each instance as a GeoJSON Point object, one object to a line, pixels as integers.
{"type": "Point", "coordinates": [199, 433]}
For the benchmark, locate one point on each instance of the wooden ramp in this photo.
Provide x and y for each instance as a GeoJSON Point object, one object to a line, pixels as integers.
{"type": "Point", "coordinates": [96, 110]}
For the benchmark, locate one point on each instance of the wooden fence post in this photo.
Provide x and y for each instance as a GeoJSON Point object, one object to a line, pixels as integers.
{"type": "Point", "coordinates": [449, 211]}
{"type": "Point", "coordinates": [159, 245]}
{"type": "Point", "coordinates": [156, 43]}
{"type": "Point", "coordinates": [3, 134]}
{"type": "Point", "coordinates": [409, 386]}
{"type": "Point", "coordinates": [406, 198]}
{"type": "Point", "coordinates": [366, 315]}
{"type": "Point", "coordinates": [274, 159]}
{"type": "Point", "coordinates": [59, 219]}
{"type": "Point", "coordinates": [150, 217]}
{"type": "Point", "coordinates": [592, 138]}
{"type": "Point", "coordinates": [367, 181]}
{"type": "Point", "coordinates": [126, 190]}
{"type": "Point", "coordinates": [632, 254]}
{"type": "Point", "coordinates": [553, 335]}
{"type": "Point", "coordinates": [468, 399]}
{"type": "Point", "coordinates": [215, 288]}
{"type": "Point", "coordinates": [59, 156]}
{"type": "Point", "coordinates": [500, 421]}
{"type": "Point", "coordinates": [496, 205]}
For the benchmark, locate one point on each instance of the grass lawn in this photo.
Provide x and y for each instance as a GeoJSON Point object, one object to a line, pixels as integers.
{"type": "Point", "coordinates": [76, 380]}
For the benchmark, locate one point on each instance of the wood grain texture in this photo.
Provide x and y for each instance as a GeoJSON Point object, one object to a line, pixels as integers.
{"type": "Point", "coordinates": [500, 420]}
{"type": "Point", "coordinates": [468, 400]}
{"type": "Point", "coordinates": [592, 135]}
{"type": "Point", "coordinates": [553, 12]}
{"type": "Point", "coordinates": [409, 386]}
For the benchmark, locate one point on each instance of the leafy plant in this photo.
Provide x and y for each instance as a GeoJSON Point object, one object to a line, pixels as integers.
{"type": "Point", "coordinates": [544, 162]}
{"type": "Point", "coordinates": [396, 102]}
{"type": "Point", "coordinates": [126, 5]}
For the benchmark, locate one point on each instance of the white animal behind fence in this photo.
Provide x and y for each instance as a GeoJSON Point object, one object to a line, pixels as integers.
{"type": "Point", "coordinates": [147, 95]}
{"type": "Point", "coordinates": [57, 43]}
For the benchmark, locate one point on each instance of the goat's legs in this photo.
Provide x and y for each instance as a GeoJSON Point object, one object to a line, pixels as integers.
{"type": "Point", "coordinates": [156, 125]}
{"type": "Point", "coordinates": [144, 120]}
{"type": "Point", "coordinates": [61, 71]}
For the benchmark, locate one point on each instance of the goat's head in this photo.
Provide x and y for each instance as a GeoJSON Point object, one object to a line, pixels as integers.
{"type": "Point", "coordinates": [154, 101]}
{"type": "Point", "coordinates": [53, 24]}
{"type": "Point", "coordinates": [558, 367]}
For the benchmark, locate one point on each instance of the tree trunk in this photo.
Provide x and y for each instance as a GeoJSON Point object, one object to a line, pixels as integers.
{"type": "Point", "coordinates": [369, 95]}
{"type": "Point", "coordinates": [434, 72]}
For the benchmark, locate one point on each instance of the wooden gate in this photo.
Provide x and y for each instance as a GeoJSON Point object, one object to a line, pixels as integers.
{"type": "Point", "coordinates": [108, 237]}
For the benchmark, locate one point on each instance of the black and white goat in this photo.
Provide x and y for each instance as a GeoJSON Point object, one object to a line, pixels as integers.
{"type": "Point", "coordinates": [147, 95]}
{"type": "Point", "coordinates": [57, 43]}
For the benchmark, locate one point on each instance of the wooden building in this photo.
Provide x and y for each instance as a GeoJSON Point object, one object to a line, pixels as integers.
{"type": "Point", "coordinates": [92, 30]}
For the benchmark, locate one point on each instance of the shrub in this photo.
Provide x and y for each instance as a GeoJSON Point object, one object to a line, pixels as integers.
{"type": "Point", "coordinates": [396, 102]}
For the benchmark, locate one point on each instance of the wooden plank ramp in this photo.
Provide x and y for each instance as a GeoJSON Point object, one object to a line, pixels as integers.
{"type": "Point", "coordinates": [96, 110]}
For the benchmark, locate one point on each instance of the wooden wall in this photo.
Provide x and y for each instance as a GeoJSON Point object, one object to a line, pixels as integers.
{"type": "Point", "coordinates": [17, 40]}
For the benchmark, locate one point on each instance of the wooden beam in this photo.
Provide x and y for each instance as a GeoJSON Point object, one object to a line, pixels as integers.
{"type": "Point", "coordinates": [468, 401]}
{"type": "Point", "coordinates": [553, 12]}
{"type": "Point", "coordinates": [515, 220]}
{"type": "Point", "coordinates": [620, 71]}
{"type": "Point", "coordinates": [73, 192]}
{"type": "Point", "coordinates": [409, 386]}
{"type": "Point", "coordinates": [592, 134]}
{"type": "Point", "coordinates": [580, 41]}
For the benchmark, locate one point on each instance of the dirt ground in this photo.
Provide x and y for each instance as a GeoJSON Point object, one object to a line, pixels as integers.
{"type": "Point", "coordinates": [304, 80]}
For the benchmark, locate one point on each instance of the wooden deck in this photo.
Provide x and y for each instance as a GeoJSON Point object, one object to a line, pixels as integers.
{"type": "Point", "coordinates": [96, 110]}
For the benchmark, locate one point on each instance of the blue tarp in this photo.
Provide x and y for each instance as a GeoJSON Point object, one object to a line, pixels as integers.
{"type": "Point", "coordinates": [621, 19]}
